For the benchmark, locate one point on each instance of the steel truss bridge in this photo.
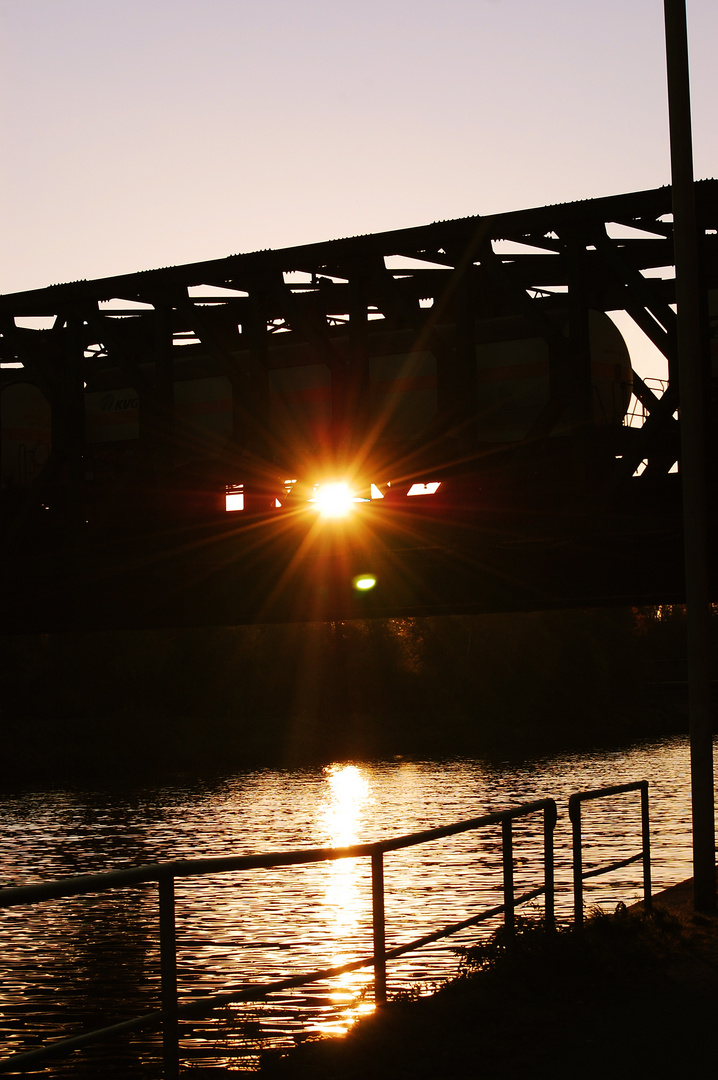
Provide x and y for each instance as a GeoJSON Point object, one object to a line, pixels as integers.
{"type": "Point", "coordinates": [291, 362]}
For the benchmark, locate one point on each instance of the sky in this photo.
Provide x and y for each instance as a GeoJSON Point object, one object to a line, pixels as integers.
{"type": "Point", "coordinates": [146, 133]}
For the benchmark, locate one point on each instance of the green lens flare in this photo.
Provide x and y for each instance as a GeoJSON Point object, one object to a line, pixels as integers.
{"type": "Point", "coordinates": [364, 582]}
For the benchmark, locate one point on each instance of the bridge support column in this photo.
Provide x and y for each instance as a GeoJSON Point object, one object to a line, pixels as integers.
{"type": "Point", "coordinates": [693, 455]}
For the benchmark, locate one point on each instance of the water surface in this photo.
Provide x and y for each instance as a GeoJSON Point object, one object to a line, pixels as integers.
{"type": "Point", "coordinates": [79, 962]}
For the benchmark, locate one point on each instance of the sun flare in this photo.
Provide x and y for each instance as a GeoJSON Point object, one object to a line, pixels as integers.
{"type": "Point", "coordinates": [333, 500]}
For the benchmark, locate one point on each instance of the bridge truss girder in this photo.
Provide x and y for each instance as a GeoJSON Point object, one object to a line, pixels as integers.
{"type": "Point", "coordinates": [439, 286]}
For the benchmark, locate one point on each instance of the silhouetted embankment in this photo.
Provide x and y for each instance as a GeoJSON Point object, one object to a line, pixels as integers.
{"type": "Point", "coordinates": [127, 705]}
{"type": "Point", "coordinates": [627, 996]}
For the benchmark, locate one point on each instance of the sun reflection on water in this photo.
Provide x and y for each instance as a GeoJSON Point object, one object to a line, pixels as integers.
{"type": "Point", "coordinates": [347, 892]}
{"type": "Point", "coordinates": [348, 797]}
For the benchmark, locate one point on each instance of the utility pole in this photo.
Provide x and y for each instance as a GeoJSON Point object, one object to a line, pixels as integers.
{"type": "Point", "coordinates": [693, 454]}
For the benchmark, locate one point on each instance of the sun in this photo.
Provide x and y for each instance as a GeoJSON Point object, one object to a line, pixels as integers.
{"type": "Point", "coordinates": [333, 500]}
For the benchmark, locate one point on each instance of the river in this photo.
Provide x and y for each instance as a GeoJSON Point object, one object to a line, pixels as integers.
{"type": "Point", "coordinates": [77, 963]}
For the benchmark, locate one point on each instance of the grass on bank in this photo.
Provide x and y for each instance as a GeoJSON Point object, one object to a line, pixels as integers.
{"type": "Point", "coordinates": [626, 995]}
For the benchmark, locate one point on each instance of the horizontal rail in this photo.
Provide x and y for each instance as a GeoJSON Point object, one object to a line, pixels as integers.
{"type": "Point", "coordinates": [164, 874]}
{"type": "Point", "coordinates": [152, 872]}
{"type": "Point", "coordinates": [146, 1022]}
{"type": "Point", "coordinates": [598, 871]}
{"type": "Point", "coordinates": [600, 793]}
{"type": "Point", "coordinates": [579, 874]}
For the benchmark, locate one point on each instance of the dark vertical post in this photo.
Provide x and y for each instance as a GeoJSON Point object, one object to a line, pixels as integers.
{"type": "Point", "coordinates": [549, 823]}
{"type": "Point", "coordinates": [579, 341]}
{"type": "Point", "coordinates": [507, 852]}
{"type": "Point", "coordinates": [164, 402]}
{"type": "Point", "coordinates": [378, 923]}
{"type": "Point", "coordinates": [354, 436]}
{"type": "Point", "coordinates": [693, 454]}
{"type": "Point", "coordinates": [574, 812]}
{"type": "Point", "coordinates": [262, 442]}
{"type": "Point", "coordinates": [464, 359]}
{"type": "Point", "coordinates": [579, 374]}
{"type": "Point", "coordinates": [646, 845]}
{"type": "Point", "coordinates": [168, 969]}
{"type": "Point", "coordinates": [68, 428]}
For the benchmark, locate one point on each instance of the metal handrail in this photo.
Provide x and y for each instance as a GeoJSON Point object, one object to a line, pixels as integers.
{"type": "Point", "coordinates": [579, 874]}
{"type": "Point", "coordinates": [165, 873]}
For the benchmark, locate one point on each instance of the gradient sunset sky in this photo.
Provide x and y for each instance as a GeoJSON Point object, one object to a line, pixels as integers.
{"type": "Point", "coordinates": [145, 133]}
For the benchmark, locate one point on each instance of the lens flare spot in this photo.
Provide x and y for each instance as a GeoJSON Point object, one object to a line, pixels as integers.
{"type": "Point", "coordinates": [364, 582]}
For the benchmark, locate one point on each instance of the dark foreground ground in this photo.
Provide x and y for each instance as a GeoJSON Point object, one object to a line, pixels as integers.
{"type": "Point", "coordinates": [630, 996]}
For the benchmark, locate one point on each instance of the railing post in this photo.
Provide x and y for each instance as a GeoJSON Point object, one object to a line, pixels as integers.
{"type": "Point", "coordinates": [378, 924]}
{"type": "Point", "coordinates": [507, 854]}
{"type": "Point", "coordinates": [549, 824]}
{"type": "Point", "coordinates": [646, 841]}
{"type": "Point", "coordinates": [574, 812]}
{"type": "Point", "coordinates": [168, 970]}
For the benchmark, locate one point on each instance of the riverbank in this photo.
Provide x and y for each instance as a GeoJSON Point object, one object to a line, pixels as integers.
{"type": "Point", "coordinates": [158, 705]}
{"type": "Point", "coordinates": [631, 994]}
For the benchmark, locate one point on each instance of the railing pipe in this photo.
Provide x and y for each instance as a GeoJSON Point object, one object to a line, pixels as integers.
{"type": "Point", "coordinates": [507, 858]}
{"type": "Point", "coordinates": [549, 824]}
{"type": "Point", "coordinates": [579, 875]}
{"type": "Point", "coordinates": [149, 872]}
{"type": "Point", "coordinates": [168, 972]}
{"type": "Point", "coordinates": [165, 873]}
{"type": "Point", "coordinates": [378, 927]}
{"type": "Point", "coordinates": [646, 844]}
{"type": "Point", "coordinates": [574, 810]}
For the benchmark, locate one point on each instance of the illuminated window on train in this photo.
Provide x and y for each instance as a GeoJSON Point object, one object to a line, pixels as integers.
{"type": "Point", "coordinates": [234, 497]}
